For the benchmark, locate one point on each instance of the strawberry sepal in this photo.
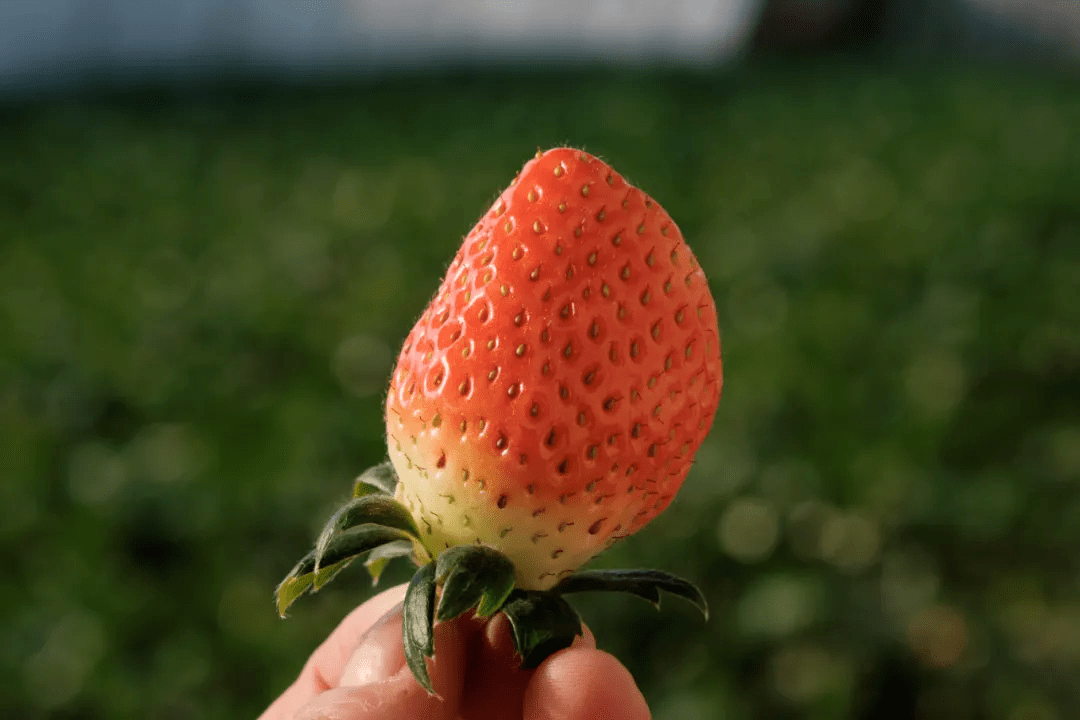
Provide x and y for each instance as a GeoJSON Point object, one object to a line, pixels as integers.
{"type": "Point", "coordinates": [418, 621]}
{"type": "Point", "coordinates": [378, 479]}
{"type": "Point", "coordinates": [316, 569]}
{"type": "Point", "coordinates": [380, 557]}
{"type": "Point", "coordinates": [372, 510]}
{"type": "Point", "coordinates": [358, 540]}
{"type": "Point", "coordinates": [373, 522]}
{"type": "Point", "coordinates": [541, 623]}
{"type": "Point", "coordinates": [302, 578]}
{"type": "Point", "coordinates": [472, 577]}
{"type": "Point", "coordinates": [645, 584]}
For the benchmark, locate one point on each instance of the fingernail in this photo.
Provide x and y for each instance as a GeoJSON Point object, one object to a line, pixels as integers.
{"type": "Point", "coordinates": [379, 655]}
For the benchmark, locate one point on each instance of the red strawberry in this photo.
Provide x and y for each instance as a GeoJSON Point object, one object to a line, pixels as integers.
{"type": "Point", "coordinates": [553, 394]}
{"type": "Point", "coordinates": [549, 401]}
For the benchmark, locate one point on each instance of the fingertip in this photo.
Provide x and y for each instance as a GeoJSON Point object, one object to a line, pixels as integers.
{"type": "Point", "coordinates": [329, 659]}
{"type": "Point", "coordinates": [382, 692]}
{"type": "Point", "coordinates": [324, 668]}
{"type": "Point", "coordinates": [499, 639]}
{"type": "Point", "coordinates": [583, 684]}
{"type": "Point", "coordinates": [379, 655]}
{"type": "Point", "coordinates": [585, 640]}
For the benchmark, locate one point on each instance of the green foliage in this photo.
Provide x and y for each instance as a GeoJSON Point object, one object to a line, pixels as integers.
{"type": "Point", "coordinates": [201, 299]}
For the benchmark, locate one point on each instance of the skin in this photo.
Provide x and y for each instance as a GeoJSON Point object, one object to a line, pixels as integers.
{"type": "Point", "coordinates": [359, 673]}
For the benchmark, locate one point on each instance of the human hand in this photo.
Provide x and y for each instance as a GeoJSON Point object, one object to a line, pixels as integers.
{"type": "Point", "coordinates": [359, 673]}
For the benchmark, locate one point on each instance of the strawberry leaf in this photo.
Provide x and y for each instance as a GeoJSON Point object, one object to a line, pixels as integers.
{"type": "Point", "coordinates": [379, 479]}
{"type": "Point", "coordinates": [418, 624]}
{"type": "Point", "coordinates": [303, 578]}
{"type": "Point", "coordinates": [472, 576]}
{"type": "Point", "coordinates": [378, 558]}
{"type": "Point", "coordinates": [346, 545]}
{"type": "Point", "coordinates": [367, 510]}
{"type": "Point", "coordinates": [541, 623]}
{"type": "Point", "coordinates": [643, 583]}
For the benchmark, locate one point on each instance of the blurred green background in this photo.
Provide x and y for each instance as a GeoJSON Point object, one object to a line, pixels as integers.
{"type": "Point", "coordinates": [201, 297]}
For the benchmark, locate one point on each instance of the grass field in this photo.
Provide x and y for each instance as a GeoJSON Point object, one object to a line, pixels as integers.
{"type": "Point", "coordinates": [202, 294]}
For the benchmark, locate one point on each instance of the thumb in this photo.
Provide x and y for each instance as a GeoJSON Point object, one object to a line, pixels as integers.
{"type": "Point", "coordinates": [377, 685]}
{"type": "Point", "coordinates": [379, 655]}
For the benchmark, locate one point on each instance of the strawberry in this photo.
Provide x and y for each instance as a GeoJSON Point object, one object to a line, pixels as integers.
{"type": "Point", "coordinates": [548, 402]}
{"type": "Point", "coordinates": [552, 396]}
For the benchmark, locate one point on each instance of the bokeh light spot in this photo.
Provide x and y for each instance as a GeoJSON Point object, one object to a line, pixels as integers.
{"type": "Point", "coordinates": [749, 529]}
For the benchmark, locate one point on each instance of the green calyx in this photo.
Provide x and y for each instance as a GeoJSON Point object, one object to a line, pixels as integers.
{"type": "Point", "coordinates": [460, 579]}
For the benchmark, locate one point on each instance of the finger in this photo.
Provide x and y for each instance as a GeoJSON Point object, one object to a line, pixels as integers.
{"type": "Point", "coordinates": [583, 684]}
{"type": "Point", "coordinates": [323, 668]}
{"type": "Point", "coordinates": [380, 654]}
{"type": "Point", "coordinates": [495, 682]}
{"type": "Point", "coordinates": [587, 640]}
{"type": "Point", "coordinates": [329, 659]}
{"type": "Point", "coordinates": [398, 696]}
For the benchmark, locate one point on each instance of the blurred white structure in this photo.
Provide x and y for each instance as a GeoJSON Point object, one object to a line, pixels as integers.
{"type": "Point", "coordinates": [50, 42]}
